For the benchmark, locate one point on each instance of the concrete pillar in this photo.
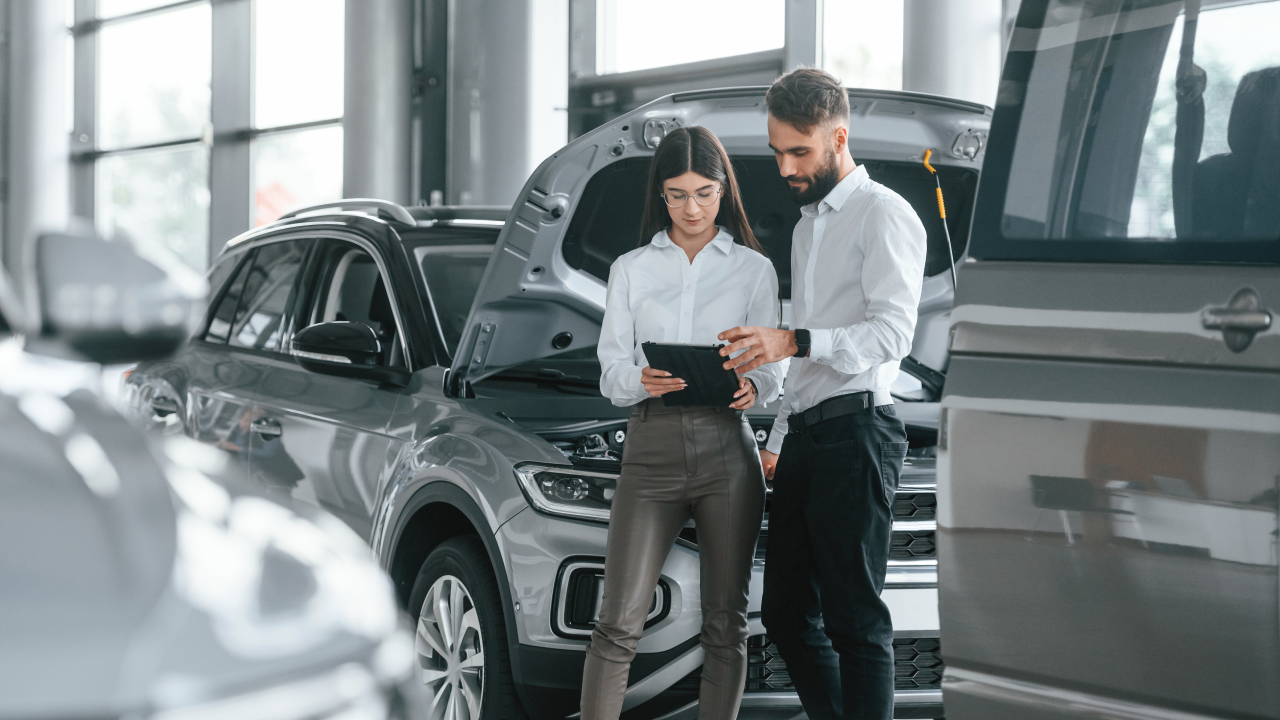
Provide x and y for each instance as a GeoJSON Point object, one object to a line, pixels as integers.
{"type": "Point", "coordinates": [508, 87]}
{"type": "Point", "coordinates": [376, 99]}
{"type": "Point", "coordinates": [37, 197]}
{"type": "Point", "coordinates": [804, 34]}
{"type": "Point", "coordinates": [952, 48]}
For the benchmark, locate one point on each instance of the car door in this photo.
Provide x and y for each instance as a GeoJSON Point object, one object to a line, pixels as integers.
{"type": "Point", "coordinates": [332, 431]}
{"type": "Point", "coordinates": [212, 381]}
{"type": "Point", "coordinates": [1110, 443]}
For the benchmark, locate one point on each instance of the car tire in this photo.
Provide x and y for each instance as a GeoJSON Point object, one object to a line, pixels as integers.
{"type": "Point", "coordinates": [466, 671]}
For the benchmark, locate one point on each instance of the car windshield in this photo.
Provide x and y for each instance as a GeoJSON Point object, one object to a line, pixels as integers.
{"type": "Point", "coordinates": [452, 274]}
{"type": "Point", "coordinates": [1122, 120]}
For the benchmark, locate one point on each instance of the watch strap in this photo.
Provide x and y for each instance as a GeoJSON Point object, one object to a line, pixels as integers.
{"type": "Point", "coordinates": [802, 342]}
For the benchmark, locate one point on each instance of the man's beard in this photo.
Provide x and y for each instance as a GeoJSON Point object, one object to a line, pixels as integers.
{"type": "Point", "coordinates": [822, 182]}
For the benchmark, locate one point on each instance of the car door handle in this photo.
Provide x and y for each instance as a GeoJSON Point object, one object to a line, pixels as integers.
{"type": "Point", "coordinates": [267, 428]}
{"type": "Point", "coordinates": [1239, 320]}
{"type": "Point", "coordinates": [1228, 318]}
{"type": "Point", "coordinates": [163, 406]}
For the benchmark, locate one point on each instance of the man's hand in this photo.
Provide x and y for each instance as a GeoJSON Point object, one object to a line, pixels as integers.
{"type": "Point", "coordinates": [762, 345]}
{"type": "Point", "coordinates": [770, 462]}
{"type": "Point", "coordinates": [659, 382]}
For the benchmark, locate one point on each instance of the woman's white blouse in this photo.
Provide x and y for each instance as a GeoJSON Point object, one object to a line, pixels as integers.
{"type": "Point", "coordinates": [657, 295]}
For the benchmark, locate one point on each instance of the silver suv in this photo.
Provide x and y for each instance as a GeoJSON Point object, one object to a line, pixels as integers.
{"type": "Point", "coordinates": [429, 375]}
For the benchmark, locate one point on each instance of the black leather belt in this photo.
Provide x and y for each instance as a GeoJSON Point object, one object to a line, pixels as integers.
{"type": "Point", "coordinates": [830, 408]}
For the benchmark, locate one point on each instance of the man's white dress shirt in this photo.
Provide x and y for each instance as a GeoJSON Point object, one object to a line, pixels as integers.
{"type": "Point", "coordinates": [657, 295]}
{"type": "Point", "coordinates": [857, 265]}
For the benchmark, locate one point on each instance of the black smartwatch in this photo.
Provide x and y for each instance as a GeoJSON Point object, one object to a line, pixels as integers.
{"type": "Point", "coordinates": [802, 343]}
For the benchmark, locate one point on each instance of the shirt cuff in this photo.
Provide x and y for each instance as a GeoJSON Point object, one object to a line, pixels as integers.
{"type": "Point", "coordinates": [774, 445]}
{"type": "Point", "coordinates": [820, 346]}
{"type": "Point", "coordinates": [631, 389]}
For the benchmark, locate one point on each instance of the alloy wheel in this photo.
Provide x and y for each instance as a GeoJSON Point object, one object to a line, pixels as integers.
{"type": "Point", "coordinates": [450, 651]}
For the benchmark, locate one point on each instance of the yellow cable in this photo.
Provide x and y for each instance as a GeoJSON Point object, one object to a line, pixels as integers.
{"type": "Point", "coordinates": [942, 209]}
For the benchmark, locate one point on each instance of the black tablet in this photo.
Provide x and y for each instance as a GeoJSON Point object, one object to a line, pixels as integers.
{"type": "Point", "coordinates": [701, 366]}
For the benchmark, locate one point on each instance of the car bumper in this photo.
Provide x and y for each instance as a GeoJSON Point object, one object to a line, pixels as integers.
{"type": "Point", "coordinates": [551, 655]}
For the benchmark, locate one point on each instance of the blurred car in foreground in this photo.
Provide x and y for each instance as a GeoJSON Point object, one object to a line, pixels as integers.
{"type": "Point", "coordinates": [132, 584]}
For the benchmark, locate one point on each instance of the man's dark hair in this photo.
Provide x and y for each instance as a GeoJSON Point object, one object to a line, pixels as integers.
{"type": "Point", "coordinates": [807, 97]}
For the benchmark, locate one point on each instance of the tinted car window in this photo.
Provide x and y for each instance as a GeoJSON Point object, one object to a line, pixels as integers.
{"type": "Point", "coordinates": [225, 312]}
{"type": "Point", "coordinates": [606, 223]}
{"type": "Point", "coordinates": [452, 274]}
{"type": "Point", "coordinates": [1118, 123]}
{"type": "Point", "coordinates": [268, 286]}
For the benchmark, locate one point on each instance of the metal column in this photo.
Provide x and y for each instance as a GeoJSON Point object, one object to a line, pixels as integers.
{"type": "Point", "coordinates": [230, 159]}
{"type": "Point", "coordinates": [37, 189]}
{"type": "Point", "coordinates": [377, 99]}
{"type": "Point", "coordinates": [804, 34]}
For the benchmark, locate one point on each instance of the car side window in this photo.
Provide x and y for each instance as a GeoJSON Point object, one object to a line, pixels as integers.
{"type": "Point", "coordinates": [268, 285]}
{"type": "Point", "coordinates": [225, 312]}
{"type": "Point", "coordinates": [351, 288]}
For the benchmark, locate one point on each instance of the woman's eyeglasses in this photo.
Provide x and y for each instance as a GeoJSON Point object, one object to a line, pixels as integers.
{"type": "Point", "coordinates": [702, 197]}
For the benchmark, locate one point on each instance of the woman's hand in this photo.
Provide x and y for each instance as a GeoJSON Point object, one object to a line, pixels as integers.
{"type": "Point", "coordinates": [746, 395]}
{"type": "Point", "coordinates": [659, 382]}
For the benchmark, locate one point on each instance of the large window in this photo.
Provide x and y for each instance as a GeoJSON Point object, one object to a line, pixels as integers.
{"type": "Point", "coordinates": [862, 42]}
{"type": "Point", "coordinates": [1125, 131]}
{"type": "Point", "coordinates": [639, 36]}
{"type": "Point", "coordinates": [298, 86]}
{"type": "Point", "coordinates": [158, 163]}
{"type": "Point", "coordinates": [152, 122]}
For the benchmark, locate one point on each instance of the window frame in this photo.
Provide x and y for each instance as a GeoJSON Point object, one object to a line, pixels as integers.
{"type": "Point", "coordinates": [988, 242]}
{"type": "Point", "coordinates": [229, 135]}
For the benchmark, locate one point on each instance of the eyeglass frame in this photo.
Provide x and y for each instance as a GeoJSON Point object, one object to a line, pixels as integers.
{"type": "Point", "coordinates": [714, 197]}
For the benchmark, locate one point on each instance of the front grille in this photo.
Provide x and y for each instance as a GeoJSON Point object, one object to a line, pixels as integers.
{"type": "Point", "coordinates": [913, 545]}
{"type": "Point", "coordinates": [917, 665]}
{"type": "Point", "coordinates": [915, 506]}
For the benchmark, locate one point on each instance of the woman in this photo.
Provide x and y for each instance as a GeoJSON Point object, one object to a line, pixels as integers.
{"type": "Point", "coordinates": [688, 281]}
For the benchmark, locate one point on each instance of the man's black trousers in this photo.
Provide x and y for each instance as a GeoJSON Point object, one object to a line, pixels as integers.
{"type": "Point", "coordinates": [830, 522]}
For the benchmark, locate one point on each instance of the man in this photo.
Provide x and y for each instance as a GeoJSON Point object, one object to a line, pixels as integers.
{"type": "Point", "coordinates": [836, 450]}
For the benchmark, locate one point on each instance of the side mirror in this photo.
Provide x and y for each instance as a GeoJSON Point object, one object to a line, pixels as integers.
{"type": "Point", "coordinates": [101, 301]}
{"type": "Point", "coordinates": [345, 349]}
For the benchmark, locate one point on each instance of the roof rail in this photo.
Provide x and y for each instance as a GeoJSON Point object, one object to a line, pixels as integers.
{"type": "Point", "coordinates": [381, 208]}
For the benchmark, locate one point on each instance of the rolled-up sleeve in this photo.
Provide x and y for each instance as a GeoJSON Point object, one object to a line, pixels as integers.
{"type": "Point", "coordinates": [765, 311]}
{"type": "Point", "coordinates": [892, 275]}
{"type": "Point", "coordinates": [619, 374]}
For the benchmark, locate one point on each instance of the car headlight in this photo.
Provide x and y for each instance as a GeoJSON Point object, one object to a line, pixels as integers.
{"type": "Point", "coordinates": [568, 492]}
{"type": "Point", "coordinates": [349, 692]}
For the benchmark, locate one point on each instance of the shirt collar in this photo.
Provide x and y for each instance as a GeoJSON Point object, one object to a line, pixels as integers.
{"type": "Point", "coordinates": [723, 241]}
{"type": "Point", "coordinates": [839, 194]}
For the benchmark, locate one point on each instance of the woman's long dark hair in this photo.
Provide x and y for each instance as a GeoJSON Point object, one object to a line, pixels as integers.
{"type": "Point", "coordinates": [698, 150]}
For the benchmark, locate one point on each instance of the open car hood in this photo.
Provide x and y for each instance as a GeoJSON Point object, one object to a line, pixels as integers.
{"type": "Point", "coordinates": [543, 292]}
